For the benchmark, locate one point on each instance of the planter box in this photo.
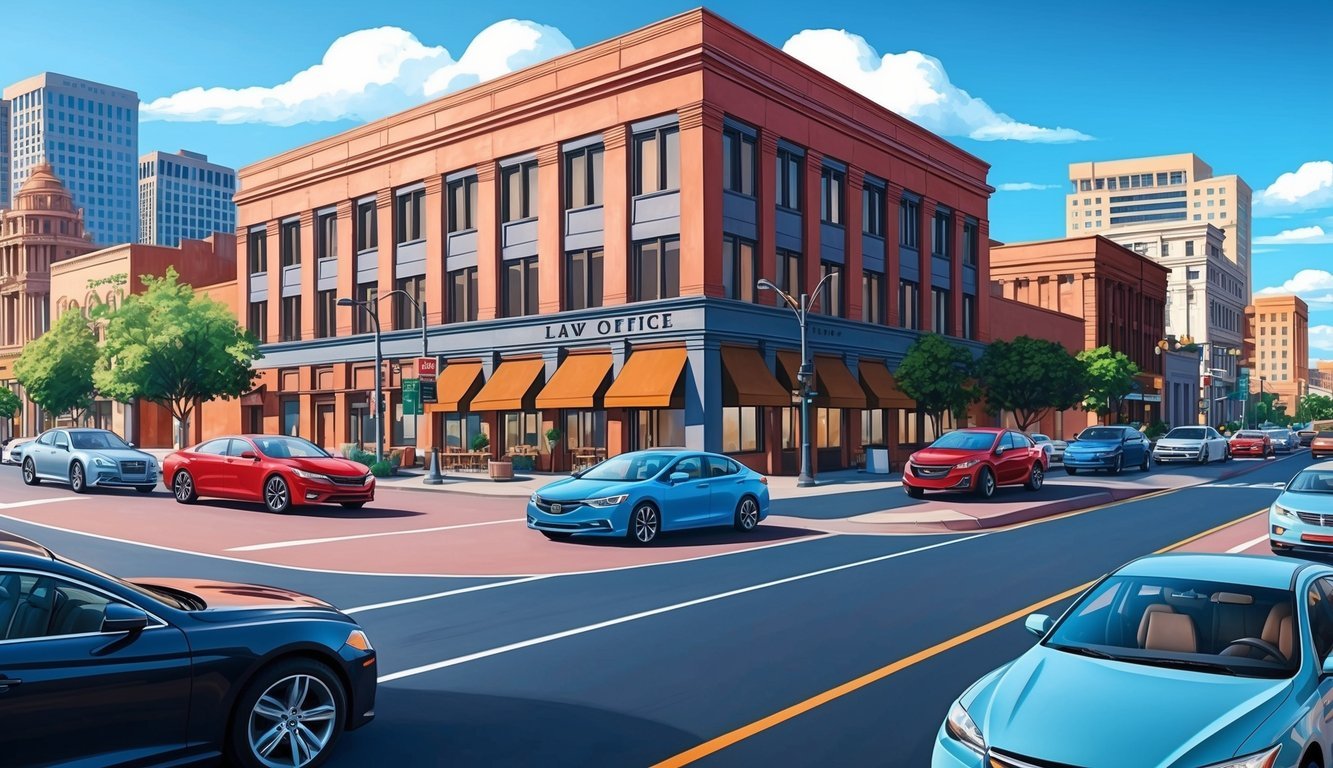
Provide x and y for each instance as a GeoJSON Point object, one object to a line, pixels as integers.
{"type": "Point", "coordinates": [501, 470]}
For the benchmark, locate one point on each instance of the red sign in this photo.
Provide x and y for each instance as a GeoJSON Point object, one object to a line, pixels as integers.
{"type": "Point", "coordinates": [426, 367]}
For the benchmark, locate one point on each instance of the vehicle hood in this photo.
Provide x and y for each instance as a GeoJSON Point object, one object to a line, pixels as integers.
{"type": "Point", "coordinates": [1178, 442]}
{"type": "Point", "coordinates": [1110, 714]}
{"type": "Point", "coordinates": [116, 454]}
{"type": "Point", "coordinates": [576, 489]}
{"type": "Point", "coordinates": [1093, 446]}
{"type": "Point", "coordinates": [328, 466]}
{"type": "Point", "coordinates": [231, 596]}
{"type": "Point", "coordinates": [945, 456]}
{"type": "Point", "coordinates": [1314, 503]}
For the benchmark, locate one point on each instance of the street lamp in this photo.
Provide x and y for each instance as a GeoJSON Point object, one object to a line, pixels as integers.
{"type": "Point", "coordinates": [372, 310]}
{"type": "Point", "coordinates": [801, 309]}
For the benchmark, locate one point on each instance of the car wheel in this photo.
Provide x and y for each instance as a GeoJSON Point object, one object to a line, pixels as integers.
{"type": "Point", "coordinates": [747, 515]}
{"type": "Point", "coordinates": [291, 714]}
{"type": "Point", "coordinates": [556, 535]}
{"type": "Point", "coordinates": [1118, 466]}
{"type": "Point", "coordinates": [1035, 478]}
{"type": "Point", "coordinates": [1071, 470]}
{"type": "Point", "coordinates": [182, 487]}
{"type": "Point", "coordinates": [30, 473]}
{"type": "Point", "coordinates": [644, 524]}
{"type": "Point", "coordinates": [353, 504]}
{"type": "Point", "coordinates": [914, 492]}
{"type": "Point", "coordinates": [985, 483]}
{"type": "Point", "coordinates": [78, 482]}
{"type": "Point", "coordinates": [1147, 462]}
{"type": "Point", "coordinates": [1203, 454]}
{"type": "Point", "coordinates": [1226, 453]}
{"type": "Point", "coordinates": [277, 495]}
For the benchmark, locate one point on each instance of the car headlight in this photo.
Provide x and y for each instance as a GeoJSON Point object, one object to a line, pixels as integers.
{"type": "Point", "coordinates": [1281, 511]}
{"type": "Point", "coordinates": [100, 461]}
{"type": "Point", "coordinates": [533, 499]}
{"type": "Point", "coordinates": [1264, 759]}
{"type": "Point", "coordinates": [608, 501]}
{"type": "Point", "coordinates": [970, 463]}
{"type": "Point", "coordinates": [358, 640]}
{"type": "Point", "coordinates": [304, 475]}
{"type": "Point", "coordinates": [961, 729]}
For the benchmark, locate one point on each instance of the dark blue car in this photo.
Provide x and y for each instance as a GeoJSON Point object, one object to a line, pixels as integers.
{"type": "Point", "coordinates": [1110, 448]}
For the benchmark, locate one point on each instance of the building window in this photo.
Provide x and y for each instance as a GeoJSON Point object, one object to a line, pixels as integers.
{"type": "Point", "coordinates": [657, 160]}
{"type": "Point", "coordinates": [909, 223]}
{"type": "Point", "coordinates": [872, 210]}
{"type": "Point", "coordinates": [939, 302]}
{"type": "Point", "coordinates": [463, 204]}
{"type": "Point", "coordinates": [828, 428]}
{"type": "Point", "coordinates": [909, 305]}
{"type": "Point", "coordinates": [872, 297]}
{"type": "Point", "coordinates": [585, 429]}
{"type": "Point", "coordinates": [656, 269]}
{"type": "Point", "coordinates": [326, 236]}
{"type": "Point", "coordinates": [969, 317]}
{"type": "Point", "coordinates": [369, 295]}
{"type": "Point", "coordinates": [519, 429]}
{"type": "Point", "coordinates": [407, 220]}
{"type": "Point", "coordinates": [289, 327]}
{"type": "Point", "coordinates": [789, 180]}
{"type": "Point", "coordinates": [520, 287]}
{"type": "Point", "coordinates": [1189, 247]}
{"type": "Point", "coordinates": [658, 428]}
{"type": "Point", "coordinates": [739, 268]}
{"type": "Point", "coordinates": [738, 161]}
{"type": "Point", "coordinates": [791, 425]}
{"type": "Point", "coordinates": [257, 320]}
{"type": "Point", "coordinates": [291, 417]}
{"type": "Point", "coordinates": [405, 313]}
{"type": "Point", "coordinates": [519, 198]}
{"type": "Point", "coordinates": [939, 241]}
{"type": "Point", "coordinates": [326, 303]}
{"type": "Point", "coordinates": [583, 279]}
{"type": "Point", "coordinates": [971, 243]}
{"type": "Point", "coordinates": [463, 295]}
{"type": "Point", "coordinates": [367, 226]}
{"type": "Point", "coordinates": [740, 429]}
{"type": "Point", "coordinates": [460, 428]}
{"type": "Point", "coordinates": [791, 272]}
{"type": "Point", "coordinates": [289, 243]}
{"type": "Point", "coordinates": [872, 427]}
{"type": "Point", "coordinates": [257, 250]}
{"type": "Point", "coordinates": [831, 195]}
{"type": "Point", "coordinates": [830, 294]}
{"type": "Point", "coordinates": [583, 177]}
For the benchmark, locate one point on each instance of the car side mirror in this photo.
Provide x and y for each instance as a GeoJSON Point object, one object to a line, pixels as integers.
{"type": "Point", "coordinates": [120, 617]}
{"type": "Point", "coordinates": [999, 451]}
{"type": "Point", "coordinates": [132, 445]}
{"type": "Point", "coordinates": [677, 477]}
{"type": "Point", "coordinates": [249, 455]}
{"type": "Point", "coordinates": [63, 446]}
{"type": "Point", "coordinates": [1039, 624]}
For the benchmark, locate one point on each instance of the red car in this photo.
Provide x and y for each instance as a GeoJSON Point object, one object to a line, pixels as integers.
{"type": "Point", "coordinates": [1251, 442]}
{"type": "Point", "coordinates": [282, 472]}
{"type": "Point", "coordinates": [1322, 444]}
{"type": "Point", "coordinates": [976, 460]}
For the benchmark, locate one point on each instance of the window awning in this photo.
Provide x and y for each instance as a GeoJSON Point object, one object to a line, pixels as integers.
{"type": "Point", "coordinates": [835, 386]}
{"type": "Point", "coordinates": [579, 382]}
{"type": "Point", "coordinates": [748, 380]}
{"type": "Point", "coordinates": [511, 388]}
{"type": "Point", "coordinates": [254, 396]}
{"type": "Point", "coordinates": [455, 387]}
{"type": "Point", "coordinates": [881, 389]}
{"type": "Point", "coordinates": [651, 378]}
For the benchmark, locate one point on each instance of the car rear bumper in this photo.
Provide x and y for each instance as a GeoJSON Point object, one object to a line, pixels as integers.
{"type": "Point", "coordinates": [1248, 450]}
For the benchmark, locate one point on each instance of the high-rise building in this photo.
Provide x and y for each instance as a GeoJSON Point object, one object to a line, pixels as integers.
{"type": "Point", "coordinates": [89, 134]}
{"type": "Point", "coordinates": [183, 196]}
{"type": "Point", "coordinates": [1279, 343]}
{"type": "Point", "coordinates": [4, 154]}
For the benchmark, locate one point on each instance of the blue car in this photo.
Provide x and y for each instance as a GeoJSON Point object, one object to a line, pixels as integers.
{"type": "Point", "coordinates": [1173, 661]}
{"type": "Point", "coordinates": [638, 495]}
{"type": "Point", "coordinates": [1110, 448]}
{"type": "Point", "coordinates": [1302, 517]}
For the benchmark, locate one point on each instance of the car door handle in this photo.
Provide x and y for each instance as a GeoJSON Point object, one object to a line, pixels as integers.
{"type": "Point", "coordinates": [9, 682]}
{"type": "Point", "coordinates": [703, 485]}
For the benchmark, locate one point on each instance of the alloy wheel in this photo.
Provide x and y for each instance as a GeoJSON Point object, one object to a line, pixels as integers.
{"type": "Point", "coordinates": [29, 472]}
{"type": "Point", "coordinates": [292, 722]}
{"type": "Point", "coordinates": [1038, 477]}
{"type": "Point", "coordinates": [276, 494]}
{"type": "Point", "coordinates": [77, 482]}
{"type": "Point", "coordinates": [183, 487]}
{"type": "Point", "coordinates": [747, 516]}
{"type": "Point", "coordinates": [645, 524]}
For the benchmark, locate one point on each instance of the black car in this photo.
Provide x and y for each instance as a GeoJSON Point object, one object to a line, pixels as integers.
{"type": "Point", "coordinates": [96, 670]}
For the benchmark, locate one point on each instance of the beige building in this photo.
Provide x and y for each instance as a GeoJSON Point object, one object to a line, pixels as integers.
{"type": "Point", "coordinates": [1279, 337]}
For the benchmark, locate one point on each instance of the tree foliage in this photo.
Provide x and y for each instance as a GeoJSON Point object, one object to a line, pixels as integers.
{"type": "Point", "coordinates": [935, 374]}
{"type": "Point", "coordinates": [1110, 376]}
{"type": "Point", "coordinates": [1030, 377]}
{"type": "Point", "coordinates": [56, 369]}
{"type": "Point", "coordinates": [1314, 407]}
{"type": "Point", "coordinates": [174, 348]}
{"type": "Point", "coordinates": [9, 403]}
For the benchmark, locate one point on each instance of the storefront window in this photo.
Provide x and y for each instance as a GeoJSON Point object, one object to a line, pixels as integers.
{"type": "Point", "coordinates": [872, 427]}
{"type": "Point", "coordinates": [519, 428]}
{"type": "Point", "coordinates": [791, 427]}
{"type": "Point", "coordinates": [585, 429]}
{"type": "Point", "coordinates": [659, 429]}
{"type": "Point", "coordinates": [404, 430]}
{"type": "Point", "coordinates": [740, 429]}
{"type": "Point", "coordinates": [828, 428]}
{"type": "Point", "coordinates": [459, 429]}
{"type": "Point", "coordinates": [291, 416]}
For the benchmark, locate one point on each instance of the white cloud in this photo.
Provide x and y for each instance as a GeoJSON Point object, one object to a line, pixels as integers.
{"type": "Point", "coordinates": [915, 86]}
{"type": "Point", "coordinates": [368, 74]}
{"type": "Point", "coordinates": [1024, 186]}
{"type": "Point", "coordinates": [1314, 235]}
{"type": "Point", "coordinates": [1306, 188]}
{"type": "Point", "coordinates": [1321, 338]}
{"type": "Point", "coordinates": [1315, 286]}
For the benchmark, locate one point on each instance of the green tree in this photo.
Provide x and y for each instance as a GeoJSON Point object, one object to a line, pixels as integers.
{"type": "Point", "coordinates": [9, 403]}
{"type": "Point", "coordinates": [56, 369]}
{"type": "Point", "coordinates": [1314, 407]}
{"type": "Point", "coordinates": [174, 348]}
{"type": "Point", "coordinates": [1030, 377]}
{"type": "Point", "coordinates": [1267, 410]}
{"type": "Point", "coordinates": [1110, 376]}
{"type": "Point", "coordinates": [935, 373]}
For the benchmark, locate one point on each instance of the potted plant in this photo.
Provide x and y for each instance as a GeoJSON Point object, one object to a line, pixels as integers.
{"type": "Point", "coordinates": [480, 442]}
{"type": "Point", "coordinates": [552, 437]}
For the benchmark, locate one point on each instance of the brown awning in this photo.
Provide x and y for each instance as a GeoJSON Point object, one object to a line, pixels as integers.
{"type": "Point", "coordinates": [578, 382]}
{"type": "Point", "coordinates": [748, 380]}
{"type": "Point", "coordinates": [455, 387]}
{"type": "Point", "coordinates": [835, 386]}
{"type": "Point", "coordinates": [254, 396]}
{"type": "Point", "coordinates": [649, 379]}
{"type": "Point", "coordinates": [511, 387]}
{"type": "Point", "coordinates": [881, 389]}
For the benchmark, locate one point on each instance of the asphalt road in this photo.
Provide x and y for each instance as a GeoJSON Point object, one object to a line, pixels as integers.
{"type": "Point", "coordinates": [639, 666]}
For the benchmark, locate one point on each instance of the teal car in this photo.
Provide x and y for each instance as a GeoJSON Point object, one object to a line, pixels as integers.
{"type": "Point", "coordinates": [1173, 661]}
{"type": "Point", "coordinates": [1301, 519]}
{"type": "Point", "coordinates": [1110, 448]}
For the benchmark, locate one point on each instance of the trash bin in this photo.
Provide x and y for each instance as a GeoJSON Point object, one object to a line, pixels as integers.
{"type": "Point", "coordinates": [877, 459]}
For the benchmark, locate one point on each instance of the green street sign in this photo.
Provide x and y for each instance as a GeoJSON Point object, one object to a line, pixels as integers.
{"type": "Point", "coordinates": [412, 397]}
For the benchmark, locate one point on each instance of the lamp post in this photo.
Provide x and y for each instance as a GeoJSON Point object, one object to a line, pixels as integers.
{"type": "Point", "coordinates": [374, 313]}
{"type": "Point", "coordinates": [801, 309]}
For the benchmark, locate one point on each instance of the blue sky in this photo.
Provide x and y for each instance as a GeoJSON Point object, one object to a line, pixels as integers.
{"type": "Point", "coordinates": [1243, 87]}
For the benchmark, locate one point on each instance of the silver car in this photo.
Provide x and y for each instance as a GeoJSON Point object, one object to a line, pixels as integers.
{"type": "Point", "coordinates": [12, 452]}
{"type": "Point", "coordinates": [88, 458]}
{"type": "Point", "coordinates": [1055, 449]}
{"type": "Point", "coordinates": [1284, 440]}
{"type": "Point", "coordinates": [1200, 444]}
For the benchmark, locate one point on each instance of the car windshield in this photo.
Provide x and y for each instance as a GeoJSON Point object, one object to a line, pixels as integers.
{"type": "Point", "coordinates": [1312, 481]}
{"type": "Point", "coordinates": [1185, 433]}
{"type": "Point", "coordinates": [629, 466]}
{"type": "Point", "coordinates": [289, 448]}
{"type": "Point", "coordinates": [1248, 434]}
{"type": "Point", "coordinates": [1277, 432]}
{"type": "Point", "coordinates": [1100, 433]}
{"type": "Point", "coordinates": [1212, 627]}
{"type": "Point", "coordinates": [1040, 438]}
{"type": "Point", "coordinates": [964, 440]}
{"type": "Point", "coordinates": [96, 441]}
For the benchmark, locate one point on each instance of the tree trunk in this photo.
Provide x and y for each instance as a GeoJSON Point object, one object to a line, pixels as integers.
{"type": "Point", "coordinates": [182, 414]}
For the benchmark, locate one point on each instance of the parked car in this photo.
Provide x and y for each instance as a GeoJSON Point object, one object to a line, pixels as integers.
{"type": "Point", "coordinates": [976, 460]}
{"type": "Point", "coordinates": [88, 458]}
{"type": "Point", "coordinates": [12, 452]}
{"type": "Point", "coordinates": [1196, 660]}
{"type": "Point", "coordinates": [1306, 436]}
{"type": "Point", "coordinates": [281, 472]}
{"type": "Point", "coordinates": [1201, 444]}
{"type": "Point", "coordinates": [1111, 448]}
{"type": "Point", "coordinates": [1284, 440]}
{"type": "Point", "coordinates": [1322, 444]}
{"type": "Point", "coordinates": [1302, 516]}
{"type": "Point", "coordinates": [98, 670]}
{"type": "Point", "coordinates": [640, 494]}
{"type": "Point", "coordinates": [1251, 442]}
{"type": "Point", "coordinates": [1055, 449]}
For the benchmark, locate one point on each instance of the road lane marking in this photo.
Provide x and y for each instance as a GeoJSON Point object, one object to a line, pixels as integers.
{"type": "Point", "coordinates": [439, 595]}
{"type": "Point", "coordinates": [777, 718]}
{"type": "Point", "coordinates": [413, 671]}
{"type": "Point", "coordinates": [355, 536]}
{"type": "Point", "coordinates": [1247, 545]}
{"type": "Point", "coordinates": [35, 502]}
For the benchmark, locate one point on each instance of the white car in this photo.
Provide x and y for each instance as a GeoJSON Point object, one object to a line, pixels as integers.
{"type": "Point", "coordinates": [1198, 444]}
{"type": "Point", "coordinates": [1055, 449]}
{"type": "Point", "coordinates": [8, 455]}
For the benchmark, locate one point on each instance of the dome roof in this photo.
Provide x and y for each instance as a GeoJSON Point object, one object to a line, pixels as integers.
{"type": "Point", "coordinates": [44, 186]}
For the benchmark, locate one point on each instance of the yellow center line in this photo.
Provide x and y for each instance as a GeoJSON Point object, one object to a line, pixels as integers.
{"type": "Point", "coordinates": [759, 726]}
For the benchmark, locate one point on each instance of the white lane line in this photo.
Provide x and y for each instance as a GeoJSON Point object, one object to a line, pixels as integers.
{"type": "Point", "coordinates": [35, 502]}
{"type": "Point", "coordinates": [658, 611]}
{"type": "Point", "coordinates": [353, 537]}
{"type": "Point", "coordinates": [1247, 545]}
{"type": "Point", "coordinates": [449, 593]}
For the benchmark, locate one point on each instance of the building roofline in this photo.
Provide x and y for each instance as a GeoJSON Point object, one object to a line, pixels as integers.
{"type": "Point", "coordinates": [1102, 238]}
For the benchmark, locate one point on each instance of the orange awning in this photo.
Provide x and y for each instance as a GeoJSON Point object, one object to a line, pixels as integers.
{"type": "Point", "coordinates": [835, 386]}
{"type": "Point", "coordinates": [456, 385]}
{"type": "Point", "coordinates": [788, 365]}
{"type": "Point", "coordinates": [649, 379]}
{"type": "Point", "coordinates": [511, 387]}
{"type": "Point", "coordinates": [749, 381]}
{"type": "Point", "coordinates": [577, 382]}
{"type": "Point", "coordinates": [880, 387]}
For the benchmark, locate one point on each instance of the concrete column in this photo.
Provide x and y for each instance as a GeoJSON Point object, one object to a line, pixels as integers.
{"type": "Point", "coordinates": [814, 164]}
{"type": "Point", "coordinates": [893, 197]}
{"type": "Point", "coordinates": [852, 243]}
{"type": "Point", "coordinates": [550, 230]}
{"type": "Point", "coordinates": [703, 396]}
{"type": "Point", "coordinates": [766, 188]}
{"type": "Point", "coordinates": [346, 268]}
{"type": "Point", "coordinates": [434, 221]}
{"type": "Point", "coordinates": [385, 244]}
{"type": "Point", "coordinates": [488, 241]}
{"type": "Point", "coordinates": [956, 272]}
{"type": "Point", "coordinates": [924, 247]}
{"type": "Point", "coordinates": [309, 268]}
{"type": "Point", "coordinates": [700, 200]}
{"type": "Point", "coordinates": [615, 216]}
